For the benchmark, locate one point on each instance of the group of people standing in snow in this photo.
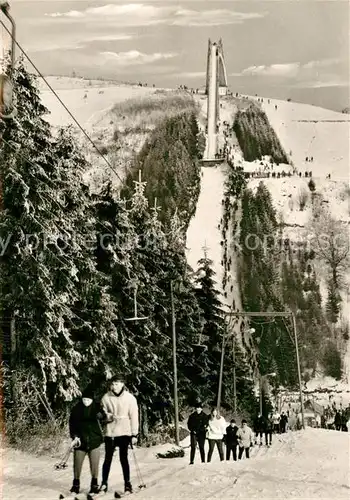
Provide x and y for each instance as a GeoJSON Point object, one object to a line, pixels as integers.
{"type": "Point", "coordinates": [117, 412]}
{"type": "Point", "coordinates": [214, 428]}
{"type": "Point", "coordinates": [274, 423]}
{"type": "Point", "coordinates": [336, 418]}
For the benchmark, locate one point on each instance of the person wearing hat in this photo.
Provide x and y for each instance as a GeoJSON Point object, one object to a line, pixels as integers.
{"type": "Point", "coordinates": [231, 440]}
{"type": "Point", "coordinates": [87, 436]}
{"type": "Point", "coordinates": [122, 428]}
{"type": "Point", "coordinates": [197, 425]}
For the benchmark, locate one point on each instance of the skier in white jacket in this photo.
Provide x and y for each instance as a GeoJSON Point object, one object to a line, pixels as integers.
{"type": "Point", "coordinates": [122, 428]}
{"type": "Point", "coordinates": [245, 437]}
{"type": "Point", "coordinates": [215, 433]}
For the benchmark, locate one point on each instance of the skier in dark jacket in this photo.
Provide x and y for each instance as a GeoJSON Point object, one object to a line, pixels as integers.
{"type": "Point", "coordinates": [283, 422]}
{"type": "Point", "coordinates": [86, 432]}
{"type": "Point", "coordinates": [337, 420]}
{"type": "Point", "coordinates": [268, 424]}
{"type": "Point", "coordinates": [197, 425]}
{"type": "Point", "coordinates": [258, 427]}
{"type": "Point", "coordinates": [231, 440]}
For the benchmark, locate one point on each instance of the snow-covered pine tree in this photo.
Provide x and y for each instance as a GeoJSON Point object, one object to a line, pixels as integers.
{"type": "Point", "coordinates": [192, 360]}
{"type": "Point", "coordinates": [37, 284]}
{"type": "Point", "coordinates": [333, 303]}
{"type": "Point", "coordinates": [209, 302]}
{"type": "Point", "coordinates": [93, 324]}
{"type": "Point", "coordinates": [135, 257]}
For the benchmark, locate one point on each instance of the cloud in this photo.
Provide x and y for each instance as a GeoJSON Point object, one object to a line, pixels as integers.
{"type": "Point", "coordinates": [127, 14]}
{"type": "Point", "coordinates": [76, 42]}
{"type": "Point", "coordinates": [294, 70]}
{"type": "Point", "coordinates": [134, 57]}
{"type": "Point", "coordinates": [284, 70]}
{"type": "Point", "coordinates": [324, 63]}
{"type": "Point", "coordinates": [139, 14]}
{"type": "Point", "coordinates": [316, 74]}
{"type": "Point", "coordinates": [217, 17]}
{"type": "Point", "coordinates": [322, 84]}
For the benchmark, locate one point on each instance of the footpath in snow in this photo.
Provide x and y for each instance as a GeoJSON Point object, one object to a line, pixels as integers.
{"type": "Point", "coordinates": [299, 465]}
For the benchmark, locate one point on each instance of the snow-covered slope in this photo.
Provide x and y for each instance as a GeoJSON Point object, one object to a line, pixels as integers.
{"type": "Point", "coordinates": [204, 229]}
{"type": "Point", "coordinates": [306, 464]}
{"type": "Point", "coordinates": [304, 131]}
{"type": "Point", "coordinates": [309, 131]}
{"type": "Point", "coordinates": [86, 99]}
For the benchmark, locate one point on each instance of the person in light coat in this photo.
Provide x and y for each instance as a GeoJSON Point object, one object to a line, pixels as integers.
{"type": "Point", "coordinates": [245, 437]}
{"type": "Point", "coordinates": [122, 428]}
{"type": "Point", "coordinates": [215, 433]}
{"type": "Point", "coordinates": [276, 422]}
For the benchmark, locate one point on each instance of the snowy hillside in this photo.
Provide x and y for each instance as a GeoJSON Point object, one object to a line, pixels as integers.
{"type": "Point", "coordinates": [308, 464]}
{"type": "Point", "coordinates": [307, 131]}
{"type": "Point", "coordinates": [304, 131]}
{"type": "Point", "coordinates": [117, 117]}
{"type": "Point", "coordinates": [88, 100]}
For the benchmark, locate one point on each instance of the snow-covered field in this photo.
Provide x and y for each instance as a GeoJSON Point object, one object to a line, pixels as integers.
{"type": "Point", "coordinates": [86, 102]}
{"type": "Point", "coordinates": [310, 131]}
{"type": "Point", "coordinates": [301, 465]}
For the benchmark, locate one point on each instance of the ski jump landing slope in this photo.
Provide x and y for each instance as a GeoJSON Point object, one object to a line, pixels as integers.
{"type": "Point", "coordinates": [309, 464]}
{"type": "Point", "coordinates": [203, 229]}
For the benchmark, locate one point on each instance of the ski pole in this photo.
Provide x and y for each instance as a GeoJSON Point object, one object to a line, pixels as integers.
{"type": "Point", "coordinates": [138, 471]}
{"type": "Point", "coordinates": [62, 464]}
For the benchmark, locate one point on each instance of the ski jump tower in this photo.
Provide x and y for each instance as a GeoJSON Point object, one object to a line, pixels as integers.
{"type": "Point", "coordinates": [216, 85]}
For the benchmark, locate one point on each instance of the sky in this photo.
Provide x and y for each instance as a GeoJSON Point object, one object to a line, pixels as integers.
{"type": "Point", "coordinates": [296, 49]}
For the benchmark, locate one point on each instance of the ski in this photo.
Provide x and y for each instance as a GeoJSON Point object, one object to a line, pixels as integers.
{"type": "Point", "coordinates": [72, 496]}
{"type": "Point", "coordinates": [102, 494]}
{"type": "Point", "coordinates": [97, 496]}
{"type": "Point", "coordinates": [119, 494]}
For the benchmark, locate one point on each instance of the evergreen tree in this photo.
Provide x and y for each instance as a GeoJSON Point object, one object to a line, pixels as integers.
{"type": "Point", "coordinates": [37, 279]}
{"type": "Point", "coordinates": [214, 324]}
{"type": "Point", "coordinates": [333, 303]}
{"type": "Point", "coordinates": [64, 315]}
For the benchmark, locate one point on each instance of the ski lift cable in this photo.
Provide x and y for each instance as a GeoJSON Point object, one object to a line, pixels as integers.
{"type": "Point", "coordinates": [40, 194]}
{"type": "Point", "coordinates": [46, 196]}
{"type": "Point", "coordinates": [134, 281]}
{"type": "Point", "coordinates": [62, 103]}
{"type": "Point", "coordinates": [35, 165]}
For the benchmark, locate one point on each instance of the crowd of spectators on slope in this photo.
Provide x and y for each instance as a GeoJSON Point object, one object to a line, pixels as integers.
{"type": "Point", "coordinates": [336, 417]}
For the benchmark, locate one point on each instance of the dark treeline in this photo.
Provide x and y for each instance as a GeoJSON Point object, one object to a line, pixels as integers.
{"type": "Point", "coordinates": [278, 275]}
{"type": "Point", "coordinates": [169, 165]}
{"type": "Point", "coordinates": [256, 137]}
